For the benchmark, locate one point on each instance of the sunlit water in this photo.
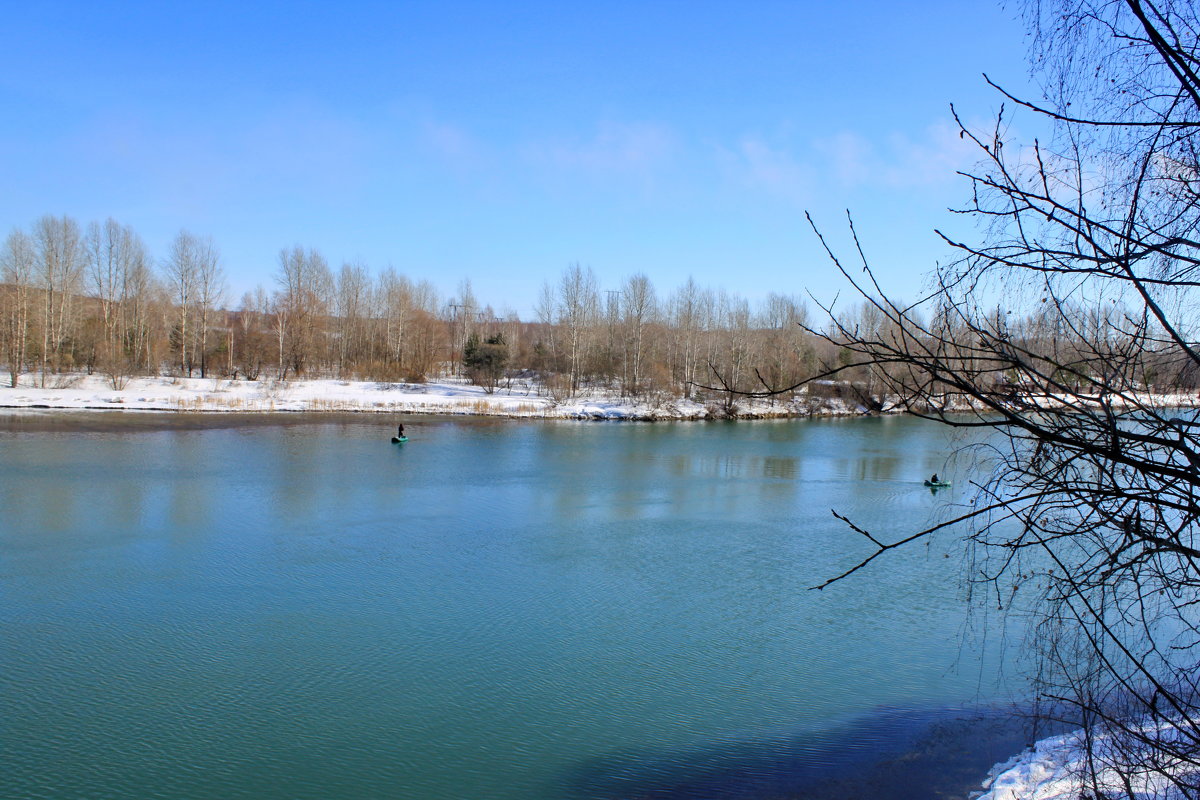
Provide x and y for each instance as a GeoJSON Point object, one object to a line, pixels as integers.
{"type": "Point", "coordinates": [492, 610]}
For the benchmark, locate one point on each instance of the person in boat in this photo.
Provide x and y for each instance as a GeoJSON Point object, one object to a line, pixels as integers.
{"type": "Point", "coordinates": [400, 432]}
{"type": "Point", "coordinates": [934, 479]}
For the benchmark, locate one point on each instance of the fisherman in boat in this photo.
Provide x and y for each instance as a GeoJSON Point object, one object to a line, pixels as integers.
{"type": "Point", "coordinates": [934, 479]}
{"type": "Point", "coordinates": [400, 432]}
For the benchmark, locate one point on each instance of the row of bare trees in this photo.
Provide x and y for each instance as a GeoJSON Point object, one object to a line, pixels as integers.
{"type": "Point", "coordinates": [640, 343]}
{"type": "Point", "coordinates": [74, 298]}
{"type": "Point", "coordinates": [94, 299]}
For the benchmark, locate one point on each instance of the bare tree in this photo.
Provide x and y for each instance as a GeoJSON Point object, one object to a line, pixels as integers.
{"type": "Point", "coordinates": [427, 343]}
{"type": "Point", "coordinates": [117, 273]}
{"type": "Point", "coordinates": [351, 301]}
{"type": "Point", "coordinates": [1087, 506]}
{"type": "Point", "coordinates": [463, 311]}
{"type": "Point", "coordinates": [301, 305]}
{"type": "Point", "coordinates": [577, 312]}
{"type": "Point", "coordinates": [210, 294]}
{"type": "Point", "coordinates": [60, 263]}
{"type": "Point", "coordinates": [103, 247]}
{"type": "Point", "coordinates": [786, 355]}
{"type": "Point", "coordinates": [638, 310]}
{"type": "Point", "coordinates": [546, 349]}
{"type": "Point", "coordinates": [691, 310]}
{"type": "Point", "coordinates": [182, 272]}
{"type": "Point", "coordinates": [17, 263]}
{"type": "Point", "coordinates": [729, 349]}
{"type": "Point", "coordinates": [252, 333]}
{"type": "Point", "coordinates": [138, 299]}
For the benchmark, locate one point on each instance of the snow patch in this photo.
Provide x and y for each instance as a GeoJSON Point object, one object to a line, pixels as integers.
{"type": "Point", "coordinates": [1053, 769]}
{"type": "Point", "coordinates": [446, 396]}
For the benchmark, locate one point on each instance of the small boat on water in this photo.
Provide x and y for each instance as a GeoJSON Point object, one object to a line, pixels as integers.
{"type": "Point", "coordinates": [936, 484]}
{"type": "Point", "coordinates": [399, 439]}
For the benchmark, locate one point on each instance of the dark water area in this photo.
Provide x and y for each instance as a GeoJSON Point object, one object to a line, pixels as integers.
{"type": "Point", "coordinates": [289, 606]}
{"type": "Point", "coordinates": [886, 754]}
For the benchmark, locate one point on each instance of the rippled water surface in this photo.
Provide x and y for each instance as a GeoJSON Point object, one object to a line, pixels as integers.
{"type": "Point", "coordinates": [493, 610]}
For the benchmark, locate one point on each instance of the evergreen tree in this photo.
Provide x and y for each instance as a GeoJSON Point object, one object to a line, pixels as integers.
{"type": "Point", "coordinates": [485, 360]}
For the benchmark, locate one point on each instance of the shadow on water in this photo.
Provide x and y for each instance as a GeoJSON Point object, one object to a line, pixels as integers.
{"type": "Point", "coordinates": [888, 754]}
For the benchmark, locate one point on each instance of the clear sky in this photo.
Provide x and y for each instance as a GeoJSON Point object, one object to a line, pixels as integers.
{"type": "Point", "coordinates": [504, 141]}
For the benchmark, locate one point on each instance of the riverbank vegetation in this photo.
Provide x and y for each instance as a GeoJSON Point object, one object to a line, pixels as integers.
{"type": "Point", "coordinates": [93, 299]}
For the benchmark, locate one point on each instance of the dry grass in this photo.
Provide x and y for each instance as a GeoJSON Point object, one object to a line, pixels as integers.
{"type": "Point", "coordinates": [66, 381]}
{"type": "Point", "coordinates": [528, 409]}
{"type": "Point", "coordinates": [325, 404]}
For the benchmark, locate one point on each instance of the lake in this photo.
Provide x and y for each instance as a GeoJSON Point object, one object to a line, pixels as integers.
{"type": "Point", "coordinates": [295, 608]}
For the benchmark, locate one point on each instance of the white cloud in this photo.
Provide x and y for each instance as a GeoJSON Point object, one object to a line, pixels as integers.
{"type": "Point", "coordinates": [452, 143]}
{"type": "Point", "coordinates": [757, 164]}
{"type": "Point", "coordinates": [629, 147]}
{"type": "Point", "coordinates": [899, 161]}
{"type": "Point", "coordinates": [849, 157]}
{"type": "Point", "coordinates": [199, 163]}
{"type": "Point", "coordinates": [848, 161]}
{"type": "Point", "coordinates": [933, 159]}
{"type": "Point", "coordinates": [306, 146]}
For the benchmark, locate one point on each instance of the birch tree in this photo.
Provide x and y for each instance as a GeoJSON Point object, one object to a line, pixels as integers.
{"type": "Point", "coordinates": [210, 294]}
{"type": "Point", "coordinates": [301, 305]}
{"type": "Point", "coordinates": [639, 308]}
{"type": "Point", "coordinates": [351, 302]}
{"type": "Point", "coordinates": [118, 276]}
{"type": "Point", "coordinates": [17, 264]}
{"type": "Point", "coordinates": [182, 272]}
{"type": "Point", "coordinates": [60, 263]}
{"type": "Point", "coordinates": [691, 311]}
{"type": "Point", "coordinates": [578, 309]}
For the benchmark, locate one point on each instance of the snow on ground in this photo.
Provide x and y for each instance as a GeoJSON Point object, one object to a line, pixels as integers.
{"type": "Point", "coordinates": [1051, 770]}
{"type": "Point", "coordinates": [1041, 773]}
{"type": "Point", "coordinates": [446, 396]}
{"type": "Point", "coordinates": [443, 396]}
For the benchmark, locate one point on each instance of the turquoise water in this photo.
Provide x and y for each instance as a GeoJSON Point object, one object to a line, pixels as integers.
{"type": "Point", "coordinates": [492, 610]}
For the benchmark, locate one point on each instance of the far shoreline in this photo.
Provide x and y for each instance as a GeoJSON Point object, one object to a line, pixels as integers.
{"type": "Point", "coordinates": [26, 419]}
{"type": "Point", "coordinates": [447, 396]}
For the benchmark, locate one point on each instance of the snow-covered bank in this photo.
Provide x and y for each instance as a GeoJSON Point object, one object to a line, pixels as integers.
{"type": "Point", "coordinates": [1052, 770]}
{"type": "Point", "coordinates": [443, 397]}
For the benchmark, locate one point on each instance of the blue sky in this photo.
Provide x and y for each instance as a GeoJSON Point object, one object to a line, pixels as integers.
{"type": "Point", "coordinates": [502, 142]}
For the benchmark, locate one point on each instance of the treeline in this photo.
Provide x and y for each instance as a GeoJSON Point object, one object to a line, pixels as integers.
{"type": "Point", "coordinates": [93, 298]}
